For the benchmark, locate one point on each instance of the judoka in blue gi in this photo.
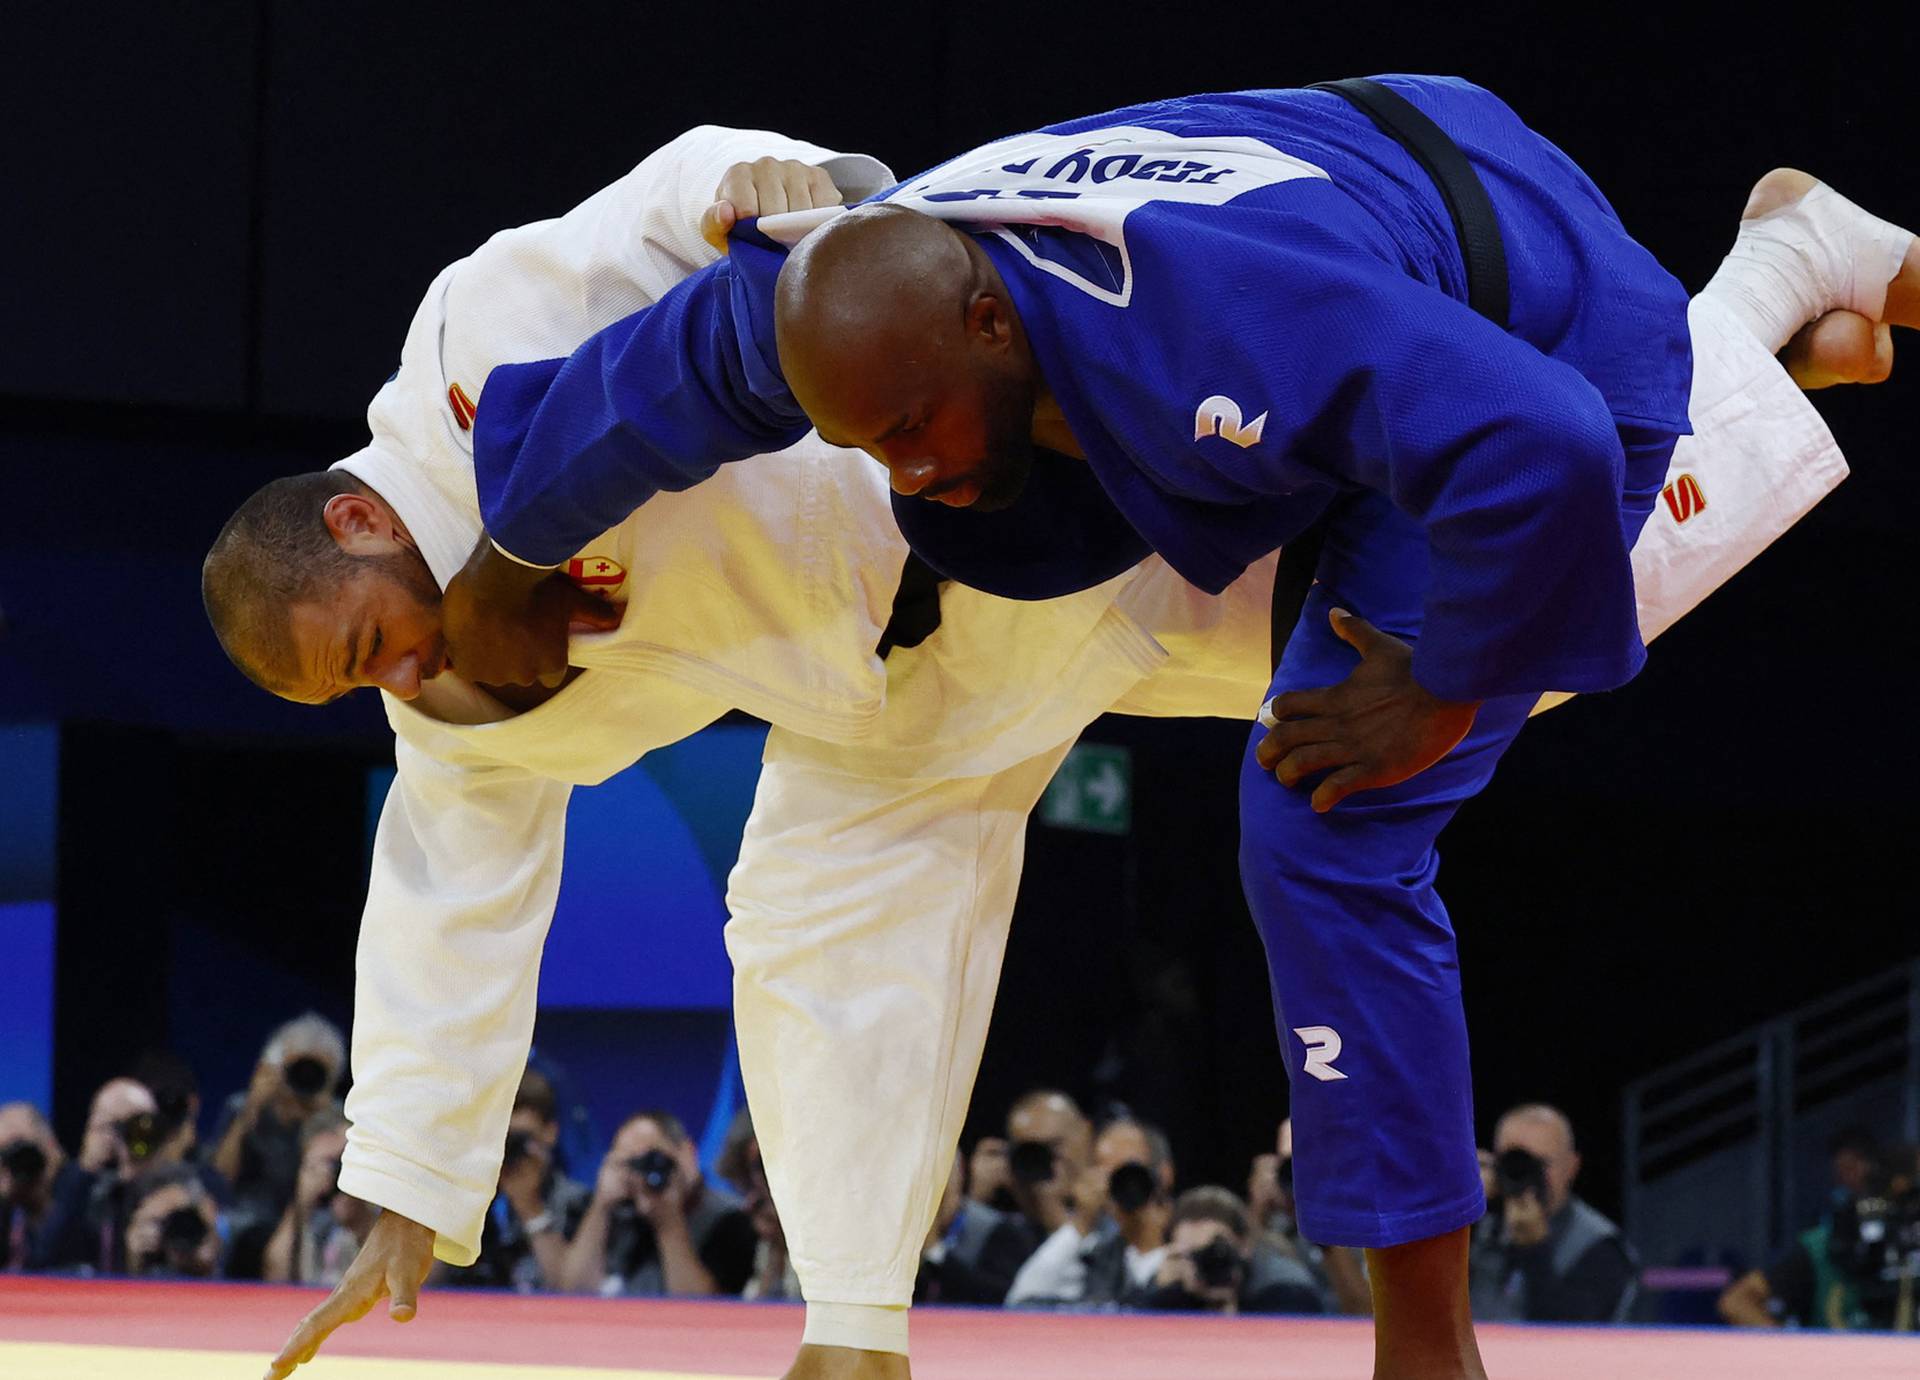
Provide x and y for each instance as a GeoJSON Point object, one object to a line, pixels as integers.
{"type": "Point", "coordinates": [1198, 327]}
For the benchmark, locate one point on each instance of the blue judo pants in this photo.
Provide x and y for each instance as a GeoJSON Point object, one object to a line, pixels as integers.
{"type": "Point", "coordinates": [1360, 949]}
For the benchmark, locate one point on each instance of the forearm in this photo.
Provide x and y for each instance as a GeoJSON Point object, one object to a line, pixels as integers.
{"type": "Point", "coordinates": [1346, 1271]}
{"type": "Point", "coordinates": [550, 1254]}
{"type": "Point", "coordinates": [283, 1249]}
{"type": "Point", "coordinates": [227, 1156]}
{"type": "Point", "coordinates": [680, 1264]}
{"type": "Point", "coordinates": [585, 1262]}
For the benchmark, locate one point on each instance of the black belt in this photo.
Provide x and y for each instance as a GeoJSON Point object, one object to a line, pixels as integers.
{"type": "Point", "coordinates": [1486, 261]}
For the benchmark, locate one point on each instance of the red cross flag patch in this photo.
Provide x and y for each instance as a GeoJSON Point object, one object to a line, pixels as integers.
{"type": "Point", "coordinates": [462, 405]}
{"type": "Point", "coordinates": [597, 575]}
{"type": "Point", "coordinates": [1684, 498]}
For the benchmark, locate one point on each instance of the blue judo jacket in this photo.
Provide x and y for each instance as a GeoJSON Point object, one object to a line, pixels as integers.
{"type": "Point", "coordinates": [1247, 305]}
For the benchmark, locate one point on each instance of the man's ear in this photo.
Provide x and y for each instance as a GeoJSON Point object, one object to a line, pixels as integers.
{"type": "Point", "coordinates": [988, 322]}
{"type": "Point", "coordinates": [361, 526]}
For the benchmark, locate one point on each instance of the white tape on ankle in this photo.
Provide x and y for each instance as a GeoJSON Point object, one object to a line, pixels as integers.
{"type": "Point", "coordinates": [860, 1326]}
{"type": "Point", "coordinates": [1793, 265]}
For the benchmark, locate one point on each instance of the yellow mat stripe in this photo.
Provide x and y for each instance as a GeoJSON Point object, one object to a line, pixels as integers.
{"type": "Point", "coordinates": [58, 1361]}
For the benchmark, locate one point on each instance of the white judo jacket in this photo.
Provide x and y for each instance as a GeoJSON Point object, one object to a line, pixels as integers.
{"type": "Point", "coordinates": [877, 874]}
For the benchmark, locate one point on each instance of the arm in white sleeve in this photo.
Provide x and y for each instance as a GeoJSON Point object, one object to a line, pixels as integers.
{"type": "Point", "coordinates": [466, 868]}
{"type": "Point", "coordinates": [1759, 459]}
{"type": "Point", "coordinates": [539, 290]}
{"type": "Point", "coordinates": [869, 921]}
{"type": "Point", "coordinates": [1053, 1274]}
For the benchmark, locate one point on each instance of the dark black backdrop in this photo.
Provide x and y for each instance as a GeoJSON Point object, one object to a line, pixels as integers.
{"type": "Point", "coordinates": [219, 217]}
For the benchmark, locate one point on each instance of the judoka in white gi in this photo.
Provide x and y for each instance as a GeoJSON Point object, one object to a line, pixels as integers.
{"type": "Point", "coordinates": [877, 875]}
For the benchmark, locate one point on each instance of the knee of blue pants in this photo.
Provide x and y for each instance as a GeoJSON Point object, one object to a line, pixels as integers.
{"type": "Point", "coordinates": [1365, 978]}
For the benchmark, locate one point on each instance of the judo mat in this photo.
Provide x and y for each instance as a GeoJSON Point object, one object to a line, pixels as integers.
{"type": "Point", "coordinates": [72, 1330]}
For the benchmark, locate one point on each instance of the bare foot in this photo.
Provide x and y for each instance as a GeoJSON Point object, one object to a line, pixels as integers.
{"type": "Point", "coordinates": [1841, 346]}
{"type": "Point", "coordinates": [1781, 187]}
{"type": "Point", "coordinates": [842, 1363]}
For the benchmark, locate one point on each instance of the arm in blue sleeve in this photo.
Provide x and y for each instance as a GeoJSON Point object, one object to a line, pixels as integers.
{"type": "Point", "coordinates": [564, 449]}
{"type": "Point", "coordinates": [1510, 460]}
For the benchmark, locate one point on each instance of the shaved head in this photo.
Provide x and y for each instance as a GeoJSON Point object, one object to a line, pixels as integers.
{"type": "Point", "coordinates": [273, 553]}
{"type": "Point", "coordinates": [1545, 1133]}
{"type": "Point", "coordinates": [314, 587]}
{"type": "Point", "coordinates": [898, 337]}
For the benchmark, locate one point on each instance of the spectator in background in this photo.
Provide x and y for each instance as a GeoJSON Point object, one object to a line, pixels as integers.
{"type": "Point", "coordinates": [523, 1243]}
{"type": "Point", "coordinates": [1857, 1156]}
{"type": "Point", "coordinates": [322, 1228]}
{"type": "Point", "coordinates": [973, 1251]}
{"type": "Point", "coordinates": [1050, 1147]}
{"type": "Point", "coordinates": [1800, 1287]}
{"type": "Point", "coordinates": [1340, 1272]}
{"type": "Point", "coordinates": [257, 1148]}
{"type": "Point", "coordinates": [989, 1176]}
{"type": "Point", "coordinates": [1544, 1255]}
{"type": "Point", "coordinates": [90, 1210]}
{"type": "Point", "coordinates": [1115, 1235]}
{"type": "Point", "coordinates": [173, 1226]}
{"type": "Point", "coordinates": [655, 1226]}
{"type": "Point", "coordinates": [1214, 1263]}
{"type": "Point", "coordinates": [176, 1096]}
{"type": "Point", "coordinates": [740, 1164]}
{"type": "Point", "coordinates": [35, 1176]}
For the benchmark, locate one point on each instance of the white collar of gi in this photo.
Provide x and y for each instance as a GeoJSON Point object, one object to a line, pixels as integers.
{"type": "Point", "coordinates": [445, 531]}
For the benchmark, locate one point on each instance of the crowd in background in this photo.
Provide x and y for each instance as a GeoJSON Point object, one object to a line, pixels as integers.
{"type": "Point", "coordinates": [1056, 1212]}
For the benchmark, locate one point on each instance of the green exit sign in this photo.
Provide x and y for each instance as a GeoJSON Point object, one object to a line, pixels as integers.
{"type": "Point", "coordinates": [1093, 790]}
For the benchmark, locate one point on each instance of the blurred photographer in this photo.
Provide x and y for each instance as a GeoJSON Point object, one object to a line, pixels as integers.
{"type": "Point", "coordinates": [322, 1228]}
{"type": "Point", "coordinates": [973, 1250]}
{"type": "Point", "coordinates": [1873, 1247]}
{"type": "Point", "coordinates": [1213, 1264]}
{"type": "Point", "coordinates": [1115, 1236]}
{"type": "Point", "coordinates": [740, 1164]}
{"type": "Point", "coordinates": [1541, 1254]}
{"type": "Point", "coordinates": [173, 1226]}
{"type": "Point", "coordinates": [36, 1179]}
{"type": "Point", "coordinates": [1853, 1269]}
{"type": "Point", "coordinates": [176, 1096]}
{"type": "Point", "coordinates": [1049, 1149]}
{"type": "Point", "coordinates": [257, 1149]}
{"type": "Point", "coordinates": [90, 1213]}
{"type": "Point", "coordinates": [523, 1243]}
{"type": "Point", "coordinates": [1340, 1272]}
{"type": "Point", "coordinates": [655, 1226]}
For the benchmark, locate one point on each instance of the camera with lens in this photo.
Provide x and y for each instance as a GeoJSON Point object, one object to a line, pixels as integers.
{"type": "Point", "coordinates": [1218, 1265]}
{"type": "Point", "coordinates": [182, 1233]}
{"type": "Point", "coordinates": [655, 1169]}
{"type": "Point", "coordinates": [24, 1162]}
{"type": "Point", "coordinates": [1875, 1244]}
{"type": "Point", "coordinates": [1031, 1161]}
{"type": "Point", "coordinates": [1131, 1186]}
{"type": "Point", "coordinates": [517, 1143]}
{"type": "Point", "coordinates": [142, 1134]}
{"type": "Point", "coordinates": [306, 1075]}
{"type": "Point", "coordinates": [1517, 1173]}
